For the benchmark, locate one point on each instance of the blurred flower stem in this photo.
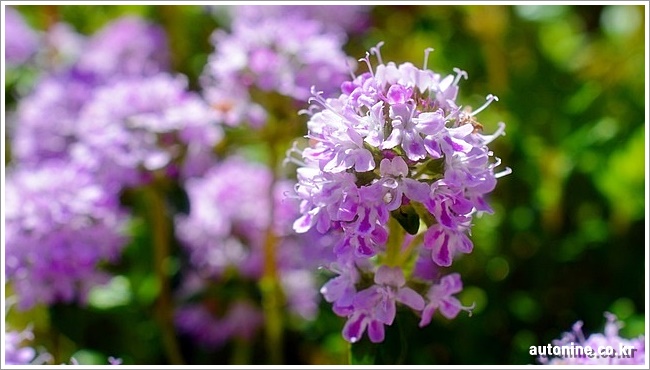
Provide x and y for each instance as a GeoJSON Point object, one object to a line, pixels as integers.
{"type": "Point", "coordinates": [272, 295]}
{"type": "Point", "coordinates": [164, 308]}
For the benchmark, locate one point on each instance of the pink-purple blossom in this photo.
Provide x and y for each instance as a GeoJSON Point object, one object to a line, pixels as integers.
{"type": "Point", "coordinates": [21, 41]}
{"type": "Point", "coordinates": [284, 54]}
{"type": "Point", "coordinates": [393, 144]}
{"type": "Point", "coordinates": [61, 223]}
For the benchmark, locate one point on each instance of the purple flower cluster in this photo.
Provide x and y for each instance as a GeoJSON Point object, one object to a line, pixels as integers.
{"type": "Point", "coordinates": [112, 118]}
{"type": "Point", "coordinates": [212, 329]}
{"type": "Point", "coordinates": [16, 353]}
{"type": "Point", "coordinates": [134, 127]}
{"type": "Point", "coordinates": [46, 121]}
{"type": "Point", "coordinates": [21, 42]}
{"type": "Point", "coordinates": [117, 111]}
{"type": "Point", "coordinates": [347, 18]}
{"type": "Point", "coordinates": [609, 338]}
{"type": "Point", "coordinates": [60, 224]}
{"type": "Point", "coordinates": [394, 146]}
{"type": "Point", "coordinates": [278, 49]}
{"type": "Point", "coordinates": [231, 212]}
{"type": "Point", "coordinates": [127, 46]}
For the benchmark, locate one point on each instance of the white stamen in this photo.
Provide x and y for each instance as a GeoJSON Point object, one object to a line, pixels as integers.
{"type": "Point", "coordinates": [489, 99]}
{"type": "Point", "coordinates": [375, 50]}
{"type": "Point", "coordinates": [459, 73]}
{"type": "Point", "coordinates": [426, 57]}
{"type": "Point", "coordinates": [469, 308]}
{"type": "Point", "coordinates": [486, 139]}
{"type": "Point", "coordinates": [290, 158]}
{"type": "Point", "coordinates": [505, 172]}
{"type": "Point", "coordinates": [367, 60]}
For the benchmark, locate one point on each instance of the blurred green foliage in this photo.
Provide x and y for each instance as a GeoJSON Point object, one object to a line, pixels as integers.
{"type": "Point", "coordinates": [566, 241]}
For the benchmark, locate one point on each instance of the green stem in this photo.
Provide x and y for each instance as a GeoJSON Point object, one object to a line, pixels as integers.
{"type": "Point", "coordinates": [394, 244]}
{"type": "Point", "coordinates": [164, 307]}
{"type": "Point", "coordinates": [272, 294]}
{"type": "Point", "coordinates": [406, 253]}
{"type": "Point", "coordinates": [348, 349]}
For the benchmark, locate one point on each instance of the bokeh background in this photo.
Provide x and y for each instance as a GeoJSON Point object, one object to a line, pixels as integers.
{"type": "Point", "coordinates": [566, 241]}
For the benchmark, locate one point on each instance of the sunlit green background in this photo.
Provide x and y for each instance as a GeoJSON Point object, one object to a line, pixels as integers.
{"type": "Point", "coordinates": [566, 242]}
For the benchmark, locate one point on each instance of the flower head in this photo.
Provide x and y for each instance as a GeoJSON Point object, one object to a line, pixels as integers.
{"type": "Point", "coordinates": [394, 144]}
{"type": "Point", "coordinates": [271, 49]}
{"type": "Point", "coordinates": [61, 224]}
{"type": "Point", "coordinates": [21, 40]}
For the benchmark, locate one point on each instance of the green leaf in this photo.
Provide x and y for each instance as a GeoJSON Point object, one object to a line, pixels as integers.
{"type": "Point", "coordinates": [178, 200]}
{"type": "Point", "coordinates": [116, 293]}
{"type": "Point", "coordinates": [423, 213]}
{"type": "Point", "coordinates": [408, 218]}
{"type": "Point", "coordinates": [365, 178]}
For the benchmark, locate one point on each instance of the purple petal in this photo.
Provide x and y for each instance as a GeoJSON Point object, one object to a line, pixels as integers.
{"type": "Point", "coordinates": [427, 314]}
{"type": "Point", "coordinates": [399, 166]}
{"type": "Point", "coordinates": [304, 223]}
{"type": "Point", "coordinates": [441, 254]}
{"type": "Point", "coordinates": [451, 283]}
{"type": "Point", "coordinates": [355, 136]}
{"type": "Point", "coordinates": [444, 217]}
{"type": "Point", "coordinates": [450, 307]}
{"type": "Point", "coordinates": [385, 311]}
{"type": "Point", "coordinates": [334, 289]}
{"type": "Point", "coordinates": [410, 298]}
{"type": "Point", "coordinates": [354, 327]}
{"type": "Point", "coordinates": [367, 298]}
{"type": "Point", "coordinates": [363, 249]}
{"type": "Point", "coordinates": [433, 147]}
{"type": "Point", "coordinates": [379, 235]}
{"type": "Point", "coordinates": [415, 190]}
{"type": "Point", "coordinates": [462, 243]}
{"type": "Point", "coordinates": [430, 123]}
{"type": "Point", "coordinates": [397, 94]}
{"type": "Point", "coordinates": [393, 140]}
{"type": "Point", "coordinates": [376, 331]}
{"type": "Point", "coordinates": [432, 235]}
{"type": "Point", "coordinates": [413, 146]}
{"type": "Point", "coordinates": [457, 145]}
{"type": "Point", "coordinates": [347, 209]}
{"type": "Point", "coordinates": [363, 160]}
{"type": "Point", "coordinates": [364, 226]}
{"type": "Point", "coordinates": [393, 276]}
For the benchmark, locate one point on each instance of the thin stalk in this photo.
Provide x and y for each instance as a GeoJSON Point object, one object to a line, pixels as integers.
{"type": "Point", "coordinates": [406, 253]}
{"type": "Point", "coordinates": [164, 306]}
{"type": "Point", "coordinates": [348, 350]}
{"type": "Point", "coordinates": [272, 294]}
{"type": "Point", "coordinates": [394, 244]}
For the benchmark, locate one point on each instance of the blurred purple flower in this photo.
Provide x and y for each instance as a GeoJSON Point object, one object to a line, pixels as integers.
{"type": "Point", "coordinates": [16, 353]}
{"type": "Point", "coordinates": [145, 124]}
{"type": "Point", "coordinates": [230, 211]}
{"type": "Point", "coordinates": [286, 54]}
{"type": "Point", "coordinates": [348, 18]}
{"type": "Point", "coordinates": [596, 342]}
{"type": "Point", "coordinates": [60, 224]}
{"type": "Point", "coordinates": [239, 319]}
{"type": "Point", "coordinates": [21, 41]}
{"type": "Point", "coordinates": [46, 120]}
{"type": "Point", "coordinates": [128, 46]}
